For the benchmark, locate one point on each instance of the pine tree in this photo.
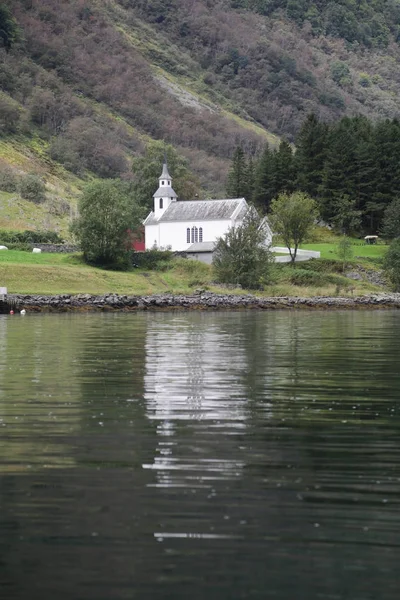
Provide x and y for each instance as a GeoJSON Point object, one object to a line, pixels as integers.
{"type": "Point", "coordinates": [264, 179]}
{"type": "Point", "coordinates": [311, 147]}
{"type": "Point", "coordinates": [284, 176]}
{"type": "Point", "coordinates": [387, 149]}
{"type": "Point", "coordinates": [367, 177]}
{"type": "Point", "coordinates": [250, 180]}
{"type": "Point", "coordinates": [9, 31]}
{"type": "Point", "coordinates": [237, 184]}
{"type": "Point", "coordinates": [340, 170]}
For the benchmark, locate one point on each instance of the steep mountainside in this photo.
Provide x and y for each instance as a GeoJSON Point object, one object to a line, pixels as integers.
{"type": "Point", "coordinates": [87, 84]}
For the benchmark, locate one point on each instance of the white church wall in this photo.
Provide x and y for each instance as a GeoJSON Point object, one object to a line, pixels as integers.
{"type": "Point", "coordinates": [174, 234]}
{"type": "Point", "coordinates": [152, 236]}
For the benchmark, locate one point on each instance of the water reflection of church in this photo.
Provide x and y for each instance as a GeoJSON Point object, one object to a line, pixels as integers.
{"type": "Point", "coordinates": [191, 397]}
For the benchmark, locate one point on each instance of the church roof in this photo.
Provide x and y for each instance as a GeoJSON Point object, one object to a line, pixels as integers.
{"type": "Point", "coordinates": [165, 174]}
{"type": "Point", "coordinates": [201, 247]}
{"type": "Point", "coordinates": [165, 192]}
{"type": "Point", "coordinates": [201, 210]}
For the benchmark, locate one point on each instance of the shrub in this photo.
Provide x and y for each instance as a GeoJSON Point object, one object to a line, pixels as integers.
{"type": "Point", "coordinates": [8, 178]}
{"type": "Point", "coordinates": [63, 151]}
{"type": "Point", "coordinates": [307, 277]}
{"type": "Point", "coordinates": [30, 237]}
{"type": "Point", "coordinates": [32, 188]}
{"type": "Point", "coordinates": [345, 251]}
{"type": "Point", "coordinates": [340, 73]}
{"type": "Point", "coordinates": [10, 114]}
{"type": "Point", "coordinates": [364, 80]}
{"type": "Point", "coordinates": [391, 264]}
{"type": "Point", "coordinates": [152, 260]}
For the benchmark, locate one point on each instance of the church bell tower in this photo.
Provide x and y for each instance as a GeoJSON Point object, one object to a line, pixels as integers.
{"type": "Point", "coordinates": [165, 193]}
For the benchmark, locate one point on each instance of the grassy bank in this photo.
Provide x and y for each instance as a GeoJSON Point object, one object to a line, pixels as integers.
{"type": "Point", "coordinates": [27, 273]}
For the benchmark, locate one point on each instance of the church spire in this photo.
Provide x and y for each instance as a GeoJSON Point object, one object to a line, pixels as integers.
{"type": "Point", "coordinates": [165, 175]}
{"type": "Point", "coordinates": [165, 193]}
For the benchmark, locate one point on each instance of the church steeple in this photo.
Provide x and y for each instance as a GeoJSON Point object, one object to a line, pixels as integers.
{"type": "Point", "coordinates": [165, 193]}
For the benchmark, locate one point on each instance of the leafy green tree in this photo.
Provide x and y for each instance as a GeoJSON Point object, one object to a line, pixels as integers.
{"type": "Point", "coordinates": [147, 169]}
{"type": "Point", "coordinates": [292, 217]}
{"type": "Point", "coordinates": [391, 264]}
{"type": "Point", "coordinates": [344, 251]}
{"type": "Point", "coordinates": [340, 73]}
{"type": "Point", "coordinates": [391, 220]}
{"type": "Point", "coordinates": [9, 31]}
{"type": "Point", "coordinates": [241, 256]}
{"type": "Point", "coordinates": [107, 215]}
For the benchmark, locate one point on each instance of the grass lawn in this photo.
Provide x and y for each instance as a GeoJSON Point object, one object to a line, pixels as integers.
{"type": "Point", "coordinates": [45, 273]}
{"type": "Point", "coordinates": [364, 251]}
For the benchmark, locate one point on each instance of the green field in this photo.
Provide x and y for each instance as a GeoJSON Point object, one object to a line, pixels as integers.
{"type": "Point", "coordinates": [28, 273]}
{"type": "Point", "coordinates": [360, 250]}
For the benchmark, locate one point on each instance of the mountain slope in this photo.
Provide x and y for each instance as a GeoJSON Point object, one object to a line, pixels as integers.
{"type": "Point", "coordinates": [91, 82]}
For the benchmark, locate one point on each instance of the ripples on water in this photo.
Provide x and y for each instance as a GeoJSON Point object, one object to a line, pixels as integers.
{"type": "Point", "coordinates": [200, 455]}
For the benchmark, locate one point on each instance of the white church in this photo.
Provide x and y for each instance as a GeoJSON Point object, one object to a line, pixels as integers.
{"type": "Point", "coordinates": [192, 226]}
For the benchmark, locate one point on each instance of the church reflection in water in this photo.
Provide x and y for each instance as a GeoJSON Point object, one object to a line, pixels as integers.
{"type": "Point", "coordinates": [192, 397]}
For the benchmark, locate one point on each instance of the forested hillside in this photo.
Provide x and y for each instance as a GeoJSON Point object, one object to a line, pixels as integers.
{"type": "Point", "coordinates": [88, 85]}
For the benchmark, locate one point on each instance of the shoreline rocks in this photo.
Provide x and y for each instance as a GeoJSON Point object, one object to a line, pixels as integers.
{"type": "Point", "coordinates": [199, 301]}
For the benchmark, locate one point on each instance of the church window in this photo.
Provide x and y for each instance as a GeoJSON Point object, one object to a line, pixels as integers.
{"type": "Point", "coordinates": [162, 183]}
{"type": "Point", "coordinates": [195, 235]}
{"type": "Point", "coordinates": [188, 235]}
{"type": "Point", "coordinates": [200, 234]}
{"type": "Point", "coordinates": [161, 203]}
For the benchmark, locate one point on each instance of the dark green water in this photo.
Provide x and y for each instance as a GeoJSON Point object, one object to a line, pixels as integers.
{"type": "Point", "coordinates": [200, 456]}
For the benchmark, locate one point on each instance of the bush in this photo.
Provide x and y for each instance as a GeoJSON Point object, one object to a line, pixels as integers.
{"type": "Point", "coordinates": [19, 246]}
{"type": "Point", "coordinates": [32, 188]}
{"type": "Point", "coordinates": [307, 277]}
{"type": "Point", "coordinates": [364, 80]}
{"type": "Point", "coordinates": [152, 260]}
{"type": "Point", "coordinates": [8, 179]}
{"type": "Point", "coordinates": [63, 151]}
{"type": "Point", "coordinates": [10, 114]}
{"type": "Point", "coordinates": [340, 73]}
{"type": "Point", "coordinates": [391, 264]}
{"type": "Point", "coordinates": [27, 237]}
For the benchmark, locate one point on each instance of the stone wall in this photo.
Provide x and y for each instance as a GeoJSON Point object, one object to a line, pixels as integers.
{"type": "Point", "coordinates": [199, 301]}
{"type": "Point", "coordinates": [61, 248]}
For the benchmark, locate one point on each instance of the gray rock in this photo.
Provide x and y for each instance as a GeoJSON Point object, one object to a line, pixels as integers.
{"type": "Point", "coordinates": [354, 275]}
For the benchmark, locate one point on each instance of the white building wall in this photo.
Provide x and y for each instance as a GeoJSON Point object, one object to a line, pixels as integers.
{"type": "Point", "coordinates": [174, 234]}
{"type": "Point", "coordinates": [151, 236]}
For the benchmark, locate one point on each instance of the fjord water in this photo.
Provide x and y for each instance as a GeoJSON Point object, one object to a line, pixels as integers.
{"type": "Point", "coordinates": [199, 455]}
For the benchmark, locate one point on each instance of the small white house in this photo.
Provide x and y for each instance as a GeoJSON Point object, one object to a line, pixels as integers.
{"type": "Point", "coordinates": [179, 224]}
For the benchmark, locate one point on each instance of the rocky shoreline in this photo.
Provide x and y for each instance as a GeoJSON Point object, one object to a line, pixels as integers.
{"type": "Point", "coordinates": [200, 301]}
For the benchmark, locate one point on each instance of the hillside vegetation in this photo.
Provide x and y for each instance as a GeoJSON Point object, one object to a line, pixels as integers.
{"type": "Point", "coordinates": [87, 85]}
